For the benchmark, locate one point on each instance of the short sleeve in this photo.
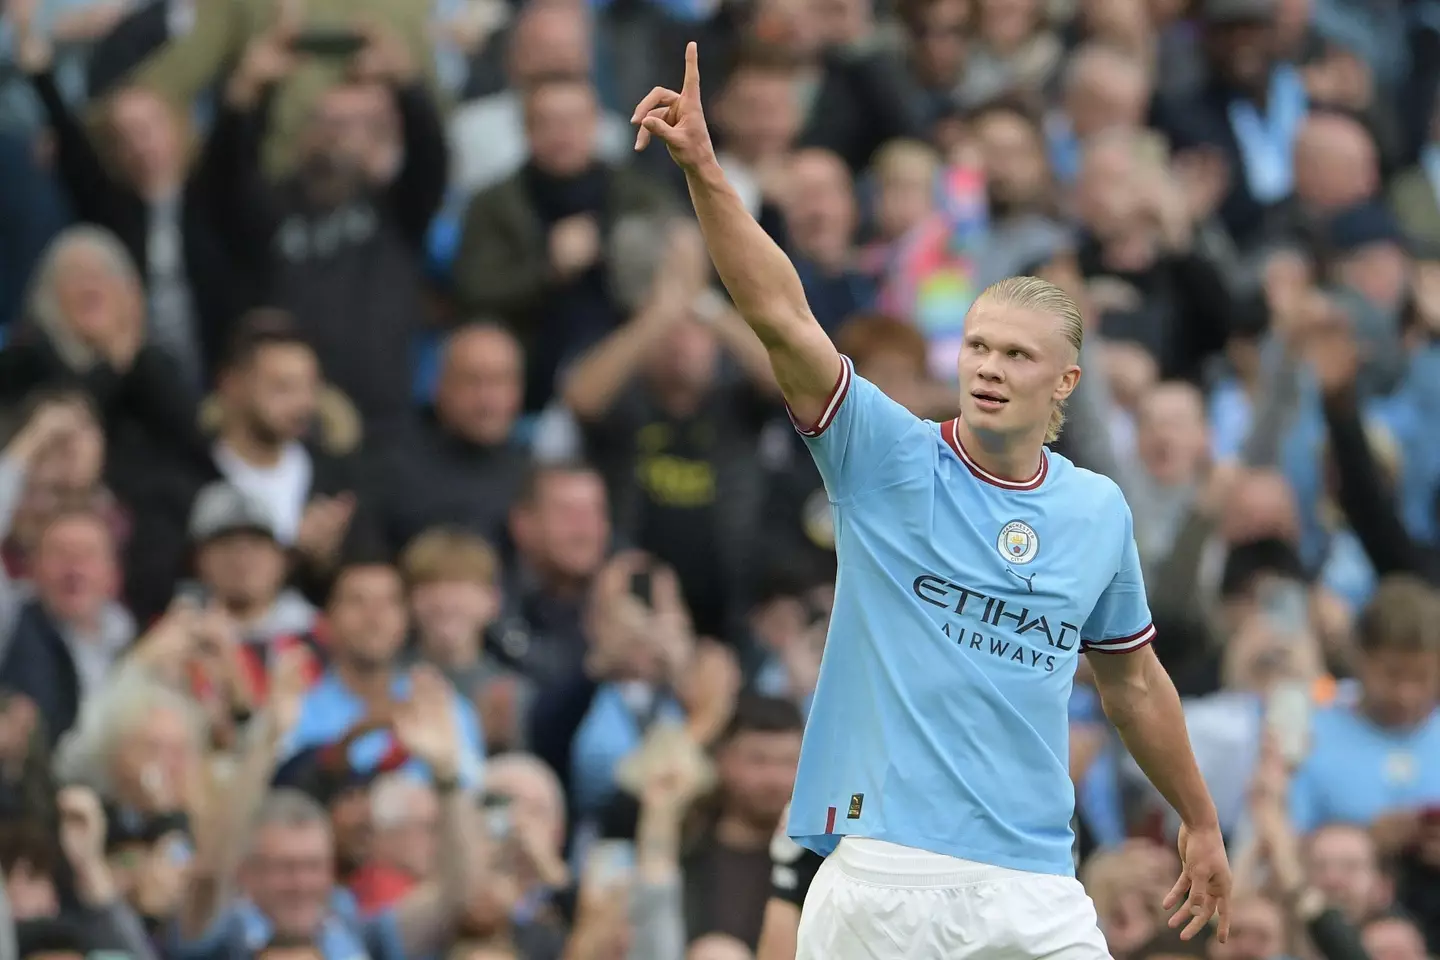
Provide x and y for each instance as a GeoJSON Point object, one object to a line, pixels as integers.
{"type": "Point", "coordinates": [854, 438]}
{"type": "Point", "coordinates": [1120, 622]}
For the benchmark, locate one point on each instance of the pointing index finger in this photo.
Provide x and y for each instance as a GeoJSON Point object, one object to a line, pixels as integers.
{"type": "Point", "coordinates": [692, 70]}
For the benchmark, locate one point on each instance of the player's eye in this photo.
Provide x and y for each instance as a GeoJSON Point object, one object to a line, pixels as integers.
{"type": "Point", "coordinates": [1019, 355]}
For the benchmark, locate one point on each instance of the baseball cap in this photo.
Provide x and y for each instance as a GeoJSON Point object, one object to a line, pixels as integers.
{"type": "Point", "coordinates": [1220, 12]}
{"type": "Point", "coordinates": [223, 508]}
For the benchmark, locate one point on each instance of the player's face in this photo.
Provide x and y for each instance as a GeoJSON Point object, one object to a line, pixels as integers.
{"type": "Point", "coordinates": [1015, 366]}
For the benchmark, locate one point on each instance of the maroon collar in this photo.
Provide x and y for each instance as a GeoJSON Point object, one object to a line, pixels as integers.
{"type": "Point", "coordinates": [950, 430]}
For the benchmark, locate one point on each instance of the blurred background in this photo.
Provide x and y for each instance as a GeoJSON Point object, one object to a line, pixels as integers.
{"type": "Point", "coordinates": [405, 553]}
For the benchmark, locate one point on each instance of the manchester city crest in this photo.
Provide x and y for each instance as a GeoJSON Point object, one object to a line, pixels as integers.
{"type": "Point", "coordinates": [1018, 542]}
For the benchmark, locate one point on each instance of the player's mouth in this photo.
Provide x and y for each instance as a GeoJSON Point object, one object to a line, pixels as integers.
{"type": "Point", "coordinates": [988, 401]}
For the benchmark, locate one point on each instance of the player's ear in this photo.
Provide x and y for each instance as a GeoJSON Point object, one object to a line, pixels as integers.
{"type": "Point", "coordinates": [1068, 381]}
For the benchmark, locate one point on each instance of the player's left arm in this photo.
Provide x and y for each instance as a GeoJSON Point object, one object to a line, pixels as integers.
{"type": "Point", "coordinates": [1141, 701]}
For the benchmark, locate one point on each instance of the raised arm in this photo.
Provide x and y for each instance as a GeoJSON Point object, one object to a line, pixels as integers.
{"type": "Point", "coordinates": [218, 859]}
{"type": "Point", "coordinates": [245, 208]}
{"type": "Point", "coordinates": [761, 280]}
{"type": "Point", "coordinates": [418, 187]}
{"type": "Point", "coordinates": [428, 727]}
{"type": "Point", "coordinates": [95, 195]}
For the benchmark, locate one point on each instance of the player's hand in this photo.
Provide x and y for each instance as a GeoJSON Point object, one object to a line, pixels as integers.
{"type": "Point", "coordinates": [677, 119]}
{"type": "Point", "coordinates": [1203, 890]}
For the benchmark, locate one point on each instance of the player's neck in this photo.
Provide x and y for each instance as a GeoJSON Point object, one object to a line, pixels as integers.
{"type": "Point", "coordinates": [1009, 458]}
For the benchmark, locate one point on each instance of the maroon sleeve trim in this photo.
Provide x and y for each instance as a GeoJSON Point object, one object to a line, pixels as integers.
{"type": "Point", "coordinates": [832, 403]}
{"type": "Point", "coordinates": [1130, 644]}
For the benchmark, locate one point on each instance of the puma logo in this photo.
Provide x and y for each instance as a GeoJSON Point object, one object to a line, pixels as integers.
{"type": "Point", "coordinates": [1029, 581]}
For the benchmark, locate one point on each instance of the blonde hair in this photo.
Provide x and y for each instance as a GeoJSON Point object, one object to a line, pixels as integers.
{"type": "Point", "coordinates": [1042, 296]}
{"type": "Point", "coordinates": [447, 555]}
{"type": "Point", "coordinates": [898, 157]}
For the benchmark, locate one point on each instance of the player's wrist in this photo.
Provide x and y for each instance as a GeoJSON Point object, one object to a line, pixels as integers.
{"type": "Point", "coordinates": [1200, 816]}
{"type": "Point", "coordinates": [1203, 828]}
{"type": "Point", "coordinates": [706, 173]}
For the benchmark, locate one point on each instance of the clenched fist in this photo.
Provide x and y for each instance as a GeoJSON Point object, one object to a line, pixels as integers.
{"type": "Point", "coordinates": [677, 119]}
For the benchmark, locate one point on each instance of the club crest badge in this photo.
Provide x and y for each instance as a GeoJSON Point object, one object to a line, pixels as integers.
{"type": "Point", "coordinates": [1018, 542]}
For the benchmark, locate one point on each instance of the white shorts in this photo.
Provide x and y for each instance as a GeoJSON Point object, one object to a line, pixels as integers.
{"type": "Point", "coordinates": [874, 900]}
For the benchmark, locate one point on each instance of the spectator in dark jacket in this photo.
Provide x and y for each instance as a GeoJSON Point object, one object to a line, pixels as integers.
{"type": "Point", "coordinates": [158, 206]}
{"type": "Point", "coordinates": [1245, 78]}
{"type": "Point", "coordinates": [288, 441]}
{"type": "Point", "coordinates": [534, 248]}
{"type": "Point", "coordinates": [461, 451]}
{"type": "Point", "coordinates": [85, 331]}
{"type": "Point", "coordinates": [67, 636]}
{"type": "Point", "coordinates": [340, 242]}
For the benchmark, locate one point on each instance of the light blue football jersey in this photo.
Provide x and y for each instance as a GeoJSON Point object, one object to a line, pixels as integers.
{"type": "Point", "coordinates": [962, 604]}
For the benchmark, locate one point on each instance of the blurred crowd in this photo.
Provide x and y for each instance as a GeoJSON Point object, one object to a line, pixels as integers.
{"type": "Point", "coordinates": [405, 552]}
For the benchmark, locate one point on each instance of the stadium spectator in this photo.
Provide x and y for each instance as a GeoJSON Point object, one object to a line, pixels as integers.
{"type": "Point", "coordinates": [464, 445]}
{"type": "Point", "coordinates": [1345, 866]}
{"type": "Point", "coordinates": [759, 122]}
{"type": "Point", "coordinates": [560, 525]}
{"type": "Point", "coordinates": [755, 757]}
{"type": "Point", "coordinates": [338, 243]}
{"type": "Point", "coordinates": [488, 135]}
{"type": "Point", "coordinates": [404, 819]}
{"type": "Point", "coordinates": [823, 220]}
{"type": "Point", "coordinates": [655, 407]}
{"type": "Point", "coordinates": [158, 206]}
{"type": "Point", "coordinates": [365, 626]}
{"type": "Point", "coordinates": [549, 222]}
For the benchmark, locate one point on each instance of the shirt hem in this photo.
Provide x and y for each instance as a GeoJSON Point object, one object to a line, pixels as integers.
{"type": "Point", "coordinates": [825, 843]}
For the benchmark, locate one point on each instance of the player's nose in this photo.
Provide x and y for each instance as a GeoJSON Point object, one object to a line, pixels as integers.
{"type": "Point", "coordinates": [991, 369]}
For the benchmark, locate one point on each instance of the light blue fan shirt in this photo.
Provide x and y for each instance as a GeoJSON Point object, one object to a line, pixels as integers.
{"type": "Point", "coordinates": [962, 604]}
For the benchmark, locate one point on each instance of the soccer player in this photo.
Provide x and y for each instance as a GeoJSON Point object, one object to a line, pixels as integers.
{"type": "Point", "coordinates": [975, 568]}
